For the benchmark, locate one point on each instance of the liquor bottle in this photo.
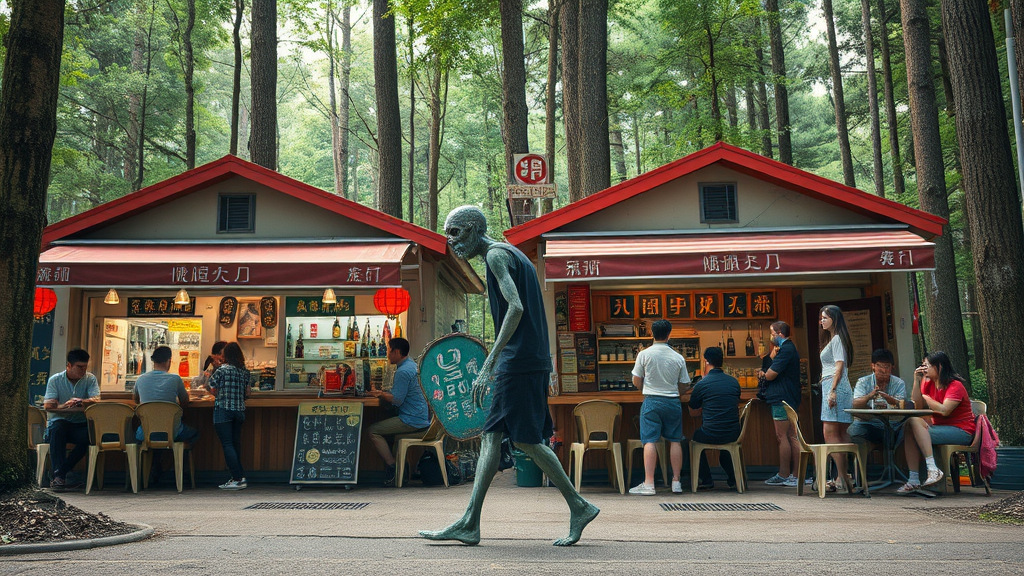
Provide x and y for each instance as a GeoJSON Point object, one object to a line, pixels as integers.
{"type": "Point", "coordinates": [386, 337]}
{"type": "Point", "coordinates": [366, 339]}
{"type": "Point", "coordinates": [336, 331]}
{"type": "Point", "coordinates": [373, 346]}
{"type": "Point", "coordinates": [299, 346]}
{"type": "Point", "coordinates": [348, 329]}
{"type": "Point", "coordinates": [355, 329]}
{"type": "Point", "coordinates": [398, 327]}
{"type": "Point", "coordinates": [289, 344]}
{"type": "Point", "coordinates": [131, 363]}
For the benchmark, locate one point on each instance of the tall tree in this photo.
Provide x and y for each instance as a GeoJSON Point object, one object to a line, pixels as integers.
{"type": "Point", "coordinates": [28, 124]}
{"type": "Point", "coordinates": [876, 137]}
{"type": "Point", "coordinates": [842, 131]}
{"type": "Point", "coordinates": [762, 92]}
{"type": "Point", "coordinates": [779, 81]}
{"type": "Point", "coordinates": [550, 104]}
{"type": "Point", "coordinates": [236, 75]}
{"type": "Point", "coordinates": [389, 126]}
{"type": "Point", "coordinates": [187, 61]}
{"type": "Point", "coordinates": [346, 101]}
{"type": "Point", "coordinates": [994, 209]}
{"type": "Point", "coordinates": [942, 302]}
{"type": "Point", "coordinates": [890, 102]}
{"type": "Point", "coordinates": [263, 133]}
{"type": "Point", "coordinates": [515, 118]}
{"type": "Point", "coordinates": [593, 96]}
{"type": "Point", "coordinates": [569, 25]}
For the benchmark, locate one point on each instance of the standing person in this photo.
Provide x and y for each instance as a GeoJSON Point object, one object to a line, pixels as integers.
{"type": "Point", "coordinates": [407, 395]}
{"type": "Point", "coordinates": [159, 385]}
{"type": "Point", "coordinates": [715, 400]}
{"type": "Point", "coordinates": [71, 389]}
{"type": "Point", "coordinates": [230, 385]}
{"type": "Point", "coordinates": [520, 363]}
{"type": "Point", "coordinates": [939, 388]}
{"type": "Point", "coordinates": [783, 376]}
{"type": "Point", "coordinates": [837, 394]}
{"type": "Point", "coordinates": [658, 372]}
{"type": "Point", "coordinates": [215, 359]}
{"type": "Point", "coordinates": [879, 384]}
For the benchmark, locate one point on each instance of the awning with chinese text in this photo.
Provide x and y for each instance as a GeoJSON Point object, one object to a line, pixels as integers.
{"type": "Point", "coordinates": [736, 255]}
{"type": "Point", "coordinates": [355, 264]}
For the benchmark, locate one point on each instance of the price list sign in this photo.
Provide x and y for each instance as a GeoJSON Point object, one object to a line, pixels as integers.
{"type": "Point", "coordinates": [579, 308]}
{"type": "Point", "coordinates": [448, 367]}
{"type": "Point", "coordinates": [327, 439]}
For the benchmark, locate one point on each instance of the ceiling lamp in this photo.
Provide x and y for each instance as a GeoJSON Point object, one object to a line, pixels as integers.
{"type": "Point", "coordinates": [391, 301]}
{"type": "Point", "coordinates": [182, 298]}
{"type": "Point", "coordinates": [112, 297]}
{"type": "Point", "coordinates": [329, 297]}
{"type": "Point", "coordinates": [45, 301]}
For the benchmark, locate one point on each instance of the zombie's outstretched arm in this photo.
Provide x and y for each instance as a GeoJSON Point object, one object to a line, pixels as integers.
{"type": "Point", "coordinates": [499, 262]}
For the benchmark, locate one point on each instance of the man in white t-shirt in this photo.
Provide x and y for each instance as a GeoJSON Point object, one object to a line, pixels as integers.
{"type": "Point", "coordinates": [658, 372]}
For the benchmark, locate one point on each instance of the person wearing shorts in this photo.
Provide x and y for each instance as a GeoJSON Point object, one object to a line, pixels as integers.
{"type": "Point", "coordinates": [783, 376]}
{"type": "Point", "coordinates": [658, 372]}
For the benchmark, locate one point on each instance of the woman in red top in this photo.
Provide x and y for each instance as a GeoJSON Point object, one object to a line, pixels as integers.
{"type": "Point", "coordinates": [939, 388]}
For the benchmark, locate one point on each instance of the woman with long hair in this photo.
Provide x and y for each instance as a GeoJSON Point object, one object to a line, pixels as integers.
{"type": "Point", "coordinates": [837, 394]}
{"type": "Point", "coordinates": [939, 388]}
{"type": "Point", "coordinates": [230, 385]}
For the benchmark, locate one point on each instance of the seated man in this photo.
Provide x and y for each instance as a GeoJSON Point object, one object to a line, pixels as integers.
{"type": "Point", "coordinates": [159, 385]}
{"type": "Point", "coordinates": [406, 394]}
{"type": "Point", "coordinates": [879, 384]}
{"type": "Point", "coordinates": [715, 399]}
{"type": "Point", "coordinates": [71, 389]}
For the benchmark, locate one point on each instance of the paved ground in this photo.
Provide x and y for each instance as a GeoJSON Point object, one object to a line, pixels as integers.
{"type": "Point", "coordinates": [208, 531]}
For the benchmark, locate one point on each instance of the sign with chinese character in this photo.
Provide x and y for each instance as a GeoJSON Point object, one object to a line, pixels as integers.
{"type": "Point", "coordinates": [706, 305]}
{"type": "Point", "coordinates": [307, 274]}
{"type": "Point", "coordinates": [762, 305]}
{"type": "Point", "coordinates": [586, 353]}
{"type": "Point", "coordinates": [448, 368]}
{"type": "Point", "coordinates": [677, 306]}
{"type": "Point", "coordinates": [150, 307]}
{"type": "Point", "coordinates": [533, 192]}
{"type": "Point", "coordinates": [185, 325]}
{"type": "Point", "coordinates": [734, 304]}
{"type": "Point", "coordinates": [530, 168]}
{"type": "Point", "coordinates": [327, 440]}
{"type": "Point", "coordinates": [579, 307]}
{"type": "Point", "coordinates": [308, 306]}
{"type": "Point", "coordinates": [621, 307]}
{"type": "Point", "coordinates": [39, 363]}
{"type": "Point", "coordinates": [650, 306]}
{"type": "Point", "coordinates": [561, 311]}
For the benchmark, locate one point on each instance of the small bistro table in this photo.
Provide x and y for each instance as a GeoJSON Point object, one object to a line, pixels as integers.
{"type": "Point", "coordinates": [890, 472]}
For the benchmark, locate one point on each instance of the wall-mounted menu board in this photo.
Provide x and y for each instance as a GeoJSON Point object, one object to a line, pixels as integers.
{"type": "Point", "coordinates": [327, 439]}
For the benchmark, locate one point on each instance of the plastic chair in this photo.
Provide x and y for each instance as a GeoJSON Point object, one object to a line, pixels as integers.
{"type": "Point", "coordinates": [821, 452]}
{"type": "Point", "coordinates": [597, 417]}
{"type": "Point", "coordinates": [944, 454]}
{"type": "Point", "coordinates": [732, 447]}
{"type": "Point", "coordinates": [163, 418]}
{"type": "Point", "coordinates": [106, 420]}
{"type": "Point", "coordinates": [36, 441]}
{"type": "Point", "coordinates": [634, 444]}
{"type": "Point", "coordinates": [432, 438]}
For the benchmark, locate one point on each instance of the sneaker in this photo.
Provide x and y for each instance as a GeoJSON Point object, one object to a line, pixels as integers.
{"type": "Point", "coordinates": [389, 476]}
{"type": "Point", "coordinates": [792, 482]}
{"type": "Point", "coordinates": [242, 484]}
{"type": "Point", "coordinates": [776, 481]}
{"type": "Point", "coordinates": [232, 485]}
{"type": "Point", "coordinates": [58, 484]}
{"type": "Point", "coordinates": [907, 489]}
{"type": "Point", "coordinates": [934, 476]}
{"type": "Point", "coordinates": [705, 487]}
{"type": "Point", "coordinates": [642, 489]}
{"type": "Point", "coordinates": [677, 487]}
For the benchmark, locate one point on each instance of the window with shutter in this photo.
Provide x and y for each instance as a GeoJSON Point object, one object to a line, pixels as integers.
{"type": "Point", "coordinates": [236, 213]}
{"type": "Point", "coordinates": [718, 203]}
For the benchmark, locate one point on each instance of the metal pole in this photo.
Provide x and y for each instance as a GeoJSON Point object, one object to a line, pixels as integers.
{"type": "Point", "coordinates": [1011, 65]}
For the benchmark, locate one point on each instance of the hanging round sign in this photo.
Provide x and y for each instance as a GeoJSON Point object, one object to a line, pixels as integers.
{"type": "Point", "coordinates": [268, 312]}
{"type": "Point", "coordinates": [448, 367]}
{"type": "Point", "coordinates": [227, 311]}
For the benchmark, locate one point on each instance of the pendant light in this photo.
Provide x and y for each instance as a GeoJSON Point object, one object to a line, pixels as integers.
{"type": "Point", "coordinates": [329, 297]}
{"type": "Point", "coordinates": [182, 298]}
{"type": "Point", "coordinates": [112, 297]}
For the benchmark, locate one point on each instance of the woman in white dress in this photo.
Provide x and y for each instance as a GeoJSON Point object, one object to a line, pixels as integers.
{"type": "Point", "coordinates": [837, 394]}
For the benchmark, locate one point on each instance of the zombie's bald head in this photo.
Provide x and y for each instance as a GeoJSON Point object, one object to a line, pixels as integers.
{"type": "Point", "coordinates": [466, 229]}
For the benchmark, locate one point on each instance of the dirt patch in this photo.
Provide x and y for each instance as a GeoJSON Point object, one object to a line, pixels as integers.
{"type": "Point", "coordinates": [1009, 510]}
{"type": "Point", "coordinates": [32, 516]}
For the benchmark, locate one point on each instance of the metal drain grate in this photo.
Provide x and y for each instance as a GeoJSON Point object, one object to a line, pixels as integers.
{"type": "Point", "coordinates": [308, 506]}
{"type": "Point", "coordinates": [714, 507]}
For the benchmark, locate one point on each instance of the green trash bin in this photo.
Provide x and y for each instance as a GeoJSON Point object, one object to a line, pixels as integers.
{"type": "Point", "coordinates": [528, 474]}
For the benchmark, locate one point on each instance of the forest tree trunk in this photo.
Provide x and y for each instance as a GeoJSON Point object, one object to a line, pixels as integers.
{"type": "Point", "coordinates": [618, 152]}
{"type": "Point", "coordinates": [595, 154]}
{"type": "Point", "coordinates": [343, 110]}
{"type": "Point", "coordinates": [876, 136]}
{"type": "Point", "coordinates": [899, 185]}
{"type": "Point", "coordinates": [569, 18]}
{"type": "Point", "coordinates": [550, 104]}
{"type": "Point", "coordinates": [263, 135]}
{"type": "Point", "coordinates": [842, 131]}
{"type": "Point", "coordinates": [515, 118]}
{"type": "Point", "coordinates": [779, 81]}
{"type": "Point", "coordinates": [389, 125]}
{"type": "Point", "coordinates": [236, 77]}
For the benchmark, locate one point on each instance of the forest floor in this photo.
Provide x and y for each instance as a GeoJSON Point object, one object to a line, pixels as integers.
{"type": "Point", "coordinates": [31, 515]}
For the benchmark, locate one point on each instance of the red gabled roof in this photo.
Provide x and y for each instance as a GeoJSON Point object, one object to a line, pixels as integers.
{"type": "Point", "coordinates": [742, 161]}
{"type": "Point", "coordinates": [223, 169]}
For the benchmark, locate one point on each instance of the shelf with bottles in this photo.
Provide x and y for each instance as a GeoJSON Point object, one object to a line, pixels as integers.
{"type": "Point", "coordinates": [337, 338]}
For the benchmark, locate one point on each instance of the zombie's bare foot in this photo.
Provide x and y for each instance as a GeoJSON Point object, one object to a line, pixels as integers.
{"type": "Point", "coordinates": [457, 531]}
{"type": "Point", "coordinates": [577, 522]}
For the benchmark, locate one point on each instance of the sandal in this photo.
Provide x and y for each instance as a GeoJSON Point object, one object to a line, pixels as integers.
{"type": "Point", "coordinates": [907, 489]}
{"type": "Point", "coordinates": [830, 486]}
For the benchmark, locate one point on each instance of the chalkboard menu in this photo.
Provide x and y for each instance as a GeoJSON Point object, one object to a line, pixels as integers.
{"type": "Point", "coordinates": [327, 443]}
{"type": "Point", "coordinates": [448, 367]}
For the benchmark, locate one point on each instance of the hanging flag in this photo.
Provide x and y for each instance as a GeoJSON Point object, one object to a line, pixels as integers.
{"type": "Point", "coordinates": [915, 326]}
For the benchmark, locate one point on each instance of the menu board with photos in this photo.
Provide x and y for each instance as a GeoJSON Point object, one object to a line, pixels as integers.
{"type": "Point", "coordinates": [327, 440]}
{"type": "Point", "coordinates": [586, 353]}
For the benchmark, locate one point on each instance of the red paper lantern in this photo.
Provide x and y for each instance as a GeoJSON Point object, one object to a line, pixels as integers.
{"type": "Point", "coordinates": [45, 302]}
{"type": "Point", "coordinates": [391, 301]}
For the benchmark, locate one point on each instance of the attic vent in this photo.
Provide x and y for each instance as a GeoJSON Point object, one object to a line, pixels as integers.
{"type": "Point", "coordinates": [237, 213]}
{"type": "Point", "coordinates": [718, 203]}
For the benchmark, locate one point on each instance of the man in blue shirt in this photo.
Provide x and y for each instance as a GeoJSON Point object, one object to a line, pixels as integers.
{"type": "Point", "coordinates": [159, 385]}
{"type": "Point", "coordinates": [407, 395]}
{"type": "Point", "coordinates": [72, 390]}
{"type": "Point", "coordinates": [715, 400]}
{"type": "Point", "coordinates": [880, 384]}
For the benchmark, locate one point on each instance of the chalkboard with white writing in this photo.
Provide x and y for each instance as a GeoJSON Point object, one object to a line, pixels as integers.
{"type": "Point", "coordinates": [327, 439]}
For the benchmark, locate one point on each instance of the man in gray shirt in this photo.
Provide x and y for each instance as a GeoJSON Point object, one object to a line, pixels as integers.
{"type": "Point", "coordinates": [159, 385]}
{"type": "Point", "coordinates": [879, 384]}
{"type": "Point", "coordinates": [67, 393]}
